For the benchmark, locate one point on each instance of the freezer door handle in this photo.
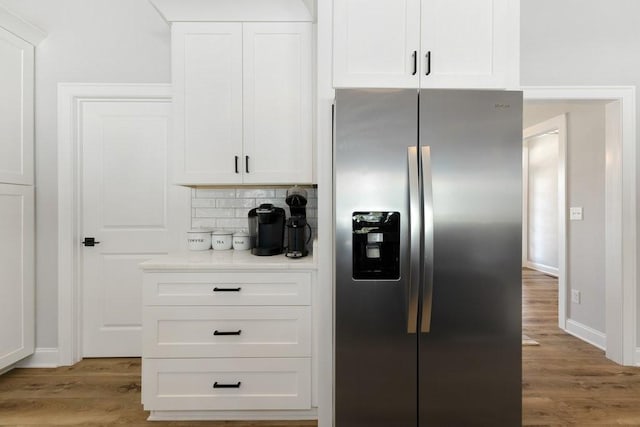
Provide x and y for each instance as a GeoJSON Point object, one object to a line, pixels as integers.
{"type": "Point", "coordinates": [427, 256]}
{"type": "Point", "coordinates": [414, 241]}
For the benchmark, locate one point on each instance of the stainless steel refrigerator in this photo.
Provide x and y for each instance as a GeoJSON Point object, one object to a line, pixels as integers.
{"type": "Point", "coordinates": [428, 235]}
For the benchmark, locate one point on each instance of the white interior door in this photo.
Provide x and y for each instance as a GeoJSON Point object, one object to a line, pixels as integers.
{"type": "Point", "coordinates": [125, 208]}
{"type": "Point", "coordinates": [542, 203]}
{"type": "Point", "coordinates": [17, 317]}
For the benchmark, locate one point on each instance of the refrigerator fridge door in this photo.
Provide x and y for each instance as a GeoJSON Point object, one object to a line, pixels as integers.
{"type": "Point", "coordinates": [375, 354]}
{"type": "Point", "coordinates": [470, 348]}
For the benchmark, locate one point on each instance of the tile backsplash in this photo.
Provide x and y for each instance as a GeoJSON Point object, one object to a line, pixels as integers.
{"type": "Point", "coordinates": [227, 208]}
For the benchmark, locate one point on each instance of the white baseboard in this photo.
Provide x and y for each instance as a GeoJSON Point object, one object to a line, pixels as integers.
{"type": "Point", "coordinates": [551, 271]}
{"type": "Point", "coordinates": [587, 334]}
{"type": "Point", "coordinates": [294, 415]}
{"type": "Point", "coordinates": [637, 356]}
{"type": "Point", "coordinates": [42, 358]}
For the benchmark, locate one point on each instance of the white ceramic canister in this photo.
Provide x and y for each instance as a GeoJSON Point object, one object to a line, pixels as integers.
{"type": "Point", "coordinates": [241, 241]}
{"type": "Point", "coordinates": [199, 240]}
{"type": "Point", "coordinates": [221, 240]}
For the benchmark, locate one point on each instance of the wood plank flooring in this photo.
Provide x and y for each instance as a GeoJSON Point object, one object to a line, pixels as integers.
{"type": "Point", "coordinates": [566, 382]}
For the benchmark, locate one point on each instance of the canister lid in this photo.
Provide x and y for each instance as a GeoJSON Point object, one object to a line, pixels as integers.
{"type": "Point", "coordinates": [241, 234]}
{"type": "Point", "coordinates": [222, 233]}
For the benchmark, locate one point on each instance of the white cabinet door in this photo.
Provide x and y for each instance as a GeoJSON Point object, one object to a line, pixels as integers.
{"type": "Point", "coordinates": [16, 110]}
{"type": "Point", "coordinates": [464, 43]}
{"type": "Point", "coordinates": [375, 43]}
{"type": "Point", "coordinates": [17, 325]}
{"type": "Point", "coordinates": [125, 208]}
{"type": "Point", "coordinates": [207, 79]}
{"type": "Point", "coordinates": [277, 103]}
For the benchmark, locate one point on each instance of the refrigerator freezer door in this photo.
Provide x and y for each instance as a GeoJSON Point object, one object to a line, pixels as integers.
{"type": "Point", "coordinates": [470, 360]}
{"type": "Point", "coordinates": [375, 356]}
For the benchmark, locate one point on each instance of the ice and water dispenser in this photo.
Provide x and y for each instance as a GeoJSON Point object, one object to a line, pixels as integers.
{"type": "Point", "coordinates": [376, 245]}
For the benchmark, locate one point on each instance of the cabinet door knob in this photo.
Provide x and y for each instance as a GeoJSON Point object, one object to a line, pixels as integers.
{"type": "Point", "coordinates": [238, 332]}
{"type": "Point", "coordinates": [236, 163]}
{"type": "Point", "coordinates": [427, 58]}
{"type": "Point", "coordinates": [246, 164]}
{"type": "Point", "coordinates": [219, 385]}
{"type": "Point", "coordinates": [415, 62]}
{"type": "Point", "coordinates": [217, 289]}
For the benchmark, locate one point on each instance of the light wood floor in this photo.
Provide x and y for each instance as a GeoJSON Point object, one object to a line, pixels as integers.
{"type": "Point", "coordinates": [566, 382]}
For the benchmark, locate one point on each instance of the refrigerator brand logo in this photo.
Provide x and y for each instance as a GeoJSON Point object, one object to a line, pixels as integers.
{"type": "Point", "coordinates": [502, 106]}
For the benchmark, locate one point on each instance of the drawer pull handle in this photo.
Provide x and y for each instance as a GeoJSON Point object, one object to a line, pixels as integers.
{"type": "Point", "coordinates": [216, 289]}
{"type": "Point", "coordinates": [238, 332]}
{"type": "Point", "coordinates": [218, 385]}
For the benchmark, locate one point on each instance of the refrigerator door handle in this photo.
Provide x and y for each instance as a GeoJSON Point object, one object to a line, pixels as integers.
{"type": "Point", "coordinates": [414, 240]}
{"type": "Point", "coordinates": [427, 259]}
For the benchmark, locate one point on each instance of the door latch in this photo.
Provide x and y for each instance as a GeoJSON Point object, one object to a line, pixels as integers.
{"type": "Point", "coordinates": [90, 241]}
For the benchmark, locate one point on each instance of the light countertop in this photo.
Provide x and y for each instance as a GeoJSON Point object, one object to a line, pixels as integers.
{"type": "Point", "coordinates": [226, 260]}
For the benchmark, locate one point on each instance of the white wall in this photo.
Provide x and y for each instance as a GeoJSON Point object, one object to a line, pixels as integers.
{"type": "Point", "coordinates": [112, 41]}
{"type": "Point", "coordinates": [581, 42]}
{"type": "Point", "coordinates": [585, 188]}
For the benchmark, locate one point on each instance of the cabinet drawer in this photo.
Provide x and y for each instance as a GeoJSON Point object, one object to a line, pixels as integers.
{"type": "Point", "coordinates": [232, 384]}
{"type": "Point", "coordinates": [229, 288]}
{"type": "Point", "coordinates": [227, 331]}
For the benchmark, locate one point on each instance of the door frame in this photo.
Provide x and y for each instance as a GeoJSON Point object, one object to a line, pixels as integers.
{"type": "Point", "coordinates": [71, 97]}
{"type": "Point", "coordinates": [620, 215]}
{"type": "Point", "coordinates": [558, 123]}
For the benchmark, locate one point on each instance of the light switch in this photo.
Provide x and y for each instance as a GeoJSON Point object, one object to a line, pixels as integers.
{"type": "Point", "coordinates": [575, 214]}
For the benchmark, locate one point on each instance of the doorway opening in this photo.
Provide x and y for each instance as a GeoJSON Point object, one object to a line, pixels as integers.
{"type": "Point", "coordinates": [580, 142]}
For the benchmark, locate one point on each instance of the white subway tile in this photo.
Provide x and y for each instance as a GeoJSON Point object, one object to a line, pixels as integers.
{"type": "Point", "coordinates": [203, 223]}
{"type": "Point", "coordinates": [281, 193]}
{"type": "Point", "coordinates": [255, 193]}
{"type": "Point", "coordinates": [232, 223]}
{"type": "Point", "coordinates": [235, 203]}
{"type": "Point", "coordinates": [312, 213]}
{"type": "Point", "coordinates": [203, 203]}
{"type": "Point", "coordinates": [210, 193]}
{"type": "Point", "coordinates": [214, 213]}
{"type": "Point", "coordinates": [242, 213]}
{"type": "Point", "coordinates": [312, 202]}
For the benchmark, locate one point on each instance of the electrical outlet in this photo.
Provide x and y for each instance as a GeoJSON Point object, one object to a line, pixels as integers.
{"type": "Point", "coordinates": [575, 296]}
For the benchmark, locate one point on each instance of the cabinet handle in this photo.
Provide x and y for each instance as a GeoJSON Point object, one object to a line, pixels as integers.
{"type": "Point", "coordinates": [238, 332]}
{"type": "Point", "coordinates": [217, 289]}
{"type": "Point", "coordinates": [246, 164]}
{"type": "Point", "coordinates": [428, 63]}
{"type": "Point", "coordinates": [415, 62]}
{"type": "Point", "coordinates": [218, 385]}
{"type": "Point", "coordinates": [237, 164]}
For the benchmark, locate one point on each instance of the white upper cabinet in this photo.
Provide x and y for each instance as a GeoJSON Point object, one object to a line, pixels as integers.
{"type": "Point", "coordinates": [460, 43]}
{"type": "Point", "coordinates": [16, 110]}
{"type": "Point", "coordinates": [376, 43]}
{"type": "Point", "coordinates": [277, 103]}
{"type": "Point", "coordinates": [242, 103]}
{"type": "Point", "coordinates": [207, 78]}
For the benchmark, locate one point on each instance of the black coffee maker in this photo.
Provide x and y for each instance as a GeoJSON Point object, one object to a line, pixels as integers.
{"type": "Point", "coordinates": [297, 225]}
{"type": "Point", "coordinates": [266, 223]}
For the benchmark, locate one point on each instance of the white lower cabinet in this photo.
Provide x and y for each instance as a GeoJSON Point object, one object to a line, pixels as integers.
{"type": "Point", "coordinates": [229, 341]}
{"type": "Point", "coordinates": [227, 384]}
